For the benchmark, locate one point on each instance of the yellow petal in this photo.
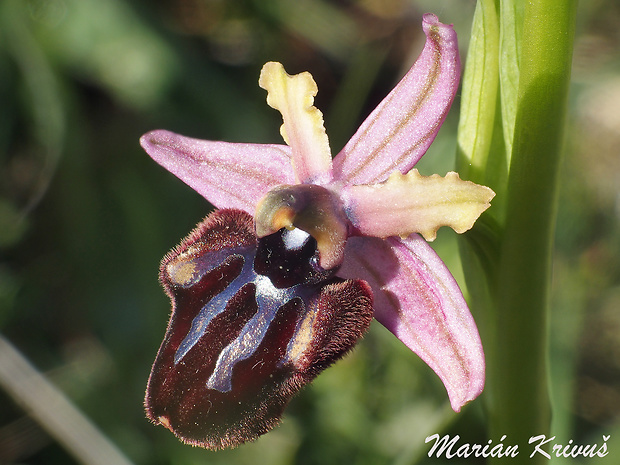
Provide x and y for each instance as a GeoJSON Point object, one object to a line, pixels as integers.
{"type": "Point", "coordinates": [413, 203]}
{"type": "Point", "coordinates": [303, 129]}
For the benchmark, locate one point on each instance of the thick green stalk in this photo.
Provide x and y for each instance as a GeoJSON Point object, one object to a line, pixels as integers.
{"type": "Point", "coordinates": [520, 393]}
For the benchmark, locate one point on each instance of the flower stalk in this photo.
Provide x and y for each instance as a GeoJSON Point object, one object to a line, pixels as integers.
{"type": "Point", "coordinates": [517, 259]}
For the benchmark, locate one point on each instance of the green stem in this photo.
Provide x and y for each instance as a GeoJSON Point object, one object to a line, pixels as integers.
{"type": "Point", "coordinates": [520, 393]}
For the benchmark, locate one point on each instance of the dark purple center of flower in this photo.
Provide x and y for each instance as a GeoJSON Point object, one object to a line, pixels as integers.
{"type": "Point", "coordinates": [290, 257]}
{"type": "Point", "coordinates": [283, 267]}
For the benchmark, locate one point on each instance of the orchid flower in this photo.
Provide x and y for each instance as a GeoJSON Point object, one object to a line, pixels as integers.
{"type": "Point", "coordinates": [333, 242]}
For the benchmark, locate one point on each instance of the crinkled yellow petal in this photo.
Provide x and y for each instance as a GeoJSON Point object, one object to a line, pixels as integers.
{"type": "Point", "coordinates": [303, 129]}
{"type": "Point", "coordinates": [412, 203]}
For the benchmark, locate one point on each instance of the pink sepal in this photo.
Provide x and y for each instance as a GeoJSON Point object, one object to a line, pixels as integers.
{"type": "Point", "coordinates": [418, 300]}
{"type": "Point", "coordinates": [229, 175]}
{"type": "Point", "coordinates": [400, 130]}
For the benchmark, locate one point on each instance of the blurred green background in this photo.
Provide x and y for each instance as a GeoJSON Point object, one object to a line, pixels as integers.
{"type": "Point", "coordinates": [85, 215]}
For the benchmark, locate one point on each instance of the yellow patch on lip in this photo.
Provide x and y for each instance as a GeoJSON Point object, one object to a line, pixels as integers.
{"type": "Point", "coordinates": [165, 421]}
{"type": "Point", "coordinates": [303, 337]}
{"type": "Point", "coordinates": [181, 272]}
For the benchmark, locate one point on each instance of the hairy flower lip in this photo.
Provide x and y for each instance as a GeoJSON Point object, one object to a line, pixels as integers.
{"type": "Point", "coordinates": [254, 323]}
{"type": "Point", "coordinates": [416, 296]}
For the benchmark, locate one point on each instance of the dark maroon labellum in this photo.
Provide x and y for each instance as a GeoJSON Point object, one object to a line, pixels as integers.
{"type": "Point", "coordinates": [252, 322]}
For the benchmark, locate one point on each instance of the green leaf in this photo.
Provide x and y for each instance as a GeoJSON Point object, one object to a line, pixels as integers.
{"type": "Point", "coordinates": [479, 93]}
{"type": "Point", "coordinates": [511, 30]}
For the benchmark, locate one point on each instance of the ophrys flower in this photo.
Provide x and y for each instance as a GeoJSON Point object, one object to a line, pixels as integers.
{"type": "Point", "coordinates": [268, 294]}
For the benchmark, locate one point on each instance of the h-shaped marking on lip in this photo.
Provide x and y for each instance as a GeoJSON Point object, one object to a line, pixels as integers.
{"type": "Point", "coordinates": [269, 299]}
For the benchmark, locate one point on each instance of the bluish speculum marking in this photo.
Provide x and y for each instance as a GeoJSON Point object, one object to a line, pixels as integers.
{"type": "Point", "coordinates": [203, 265]}
{"type": "Point", "coordinates": [281, 268]}
{"type": "Point", "coordinates": [269, 299]}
